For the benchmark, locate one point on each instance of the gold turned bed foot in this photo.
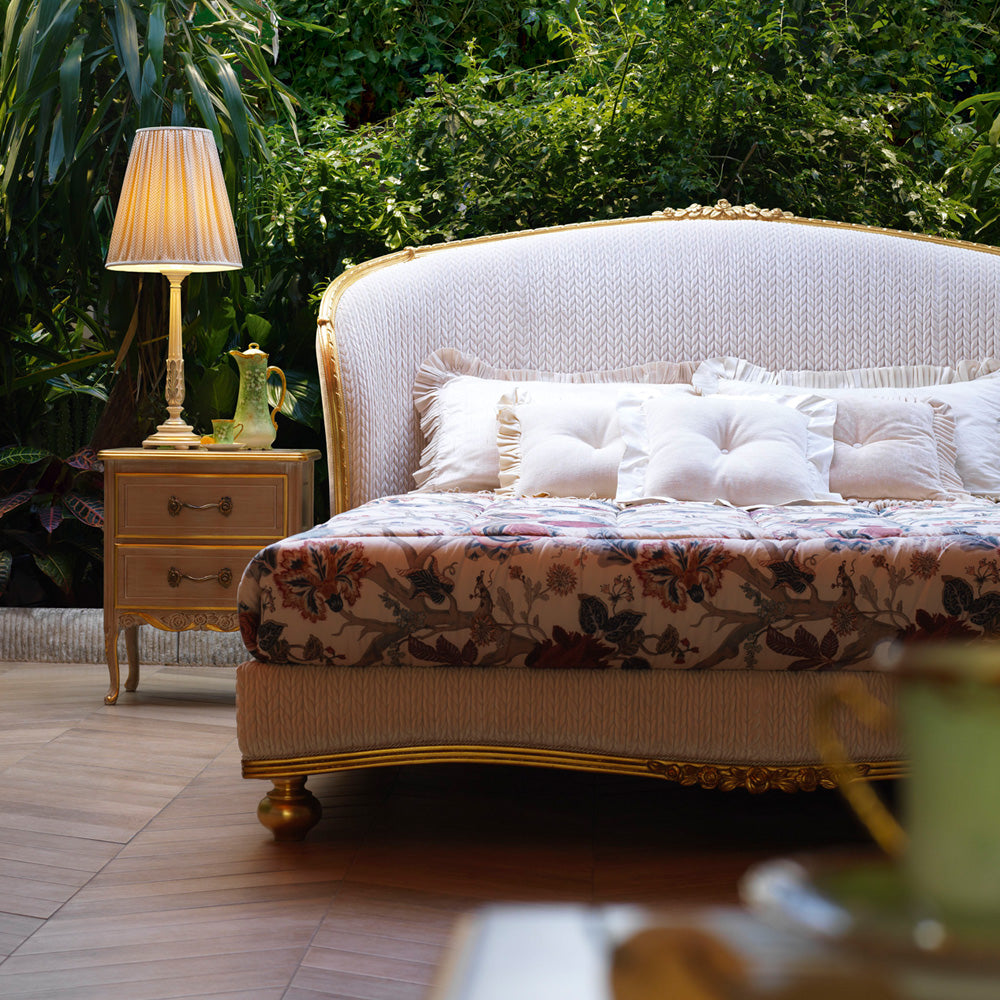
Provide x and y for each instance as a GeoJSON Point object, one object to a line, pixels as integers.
{"type": "Point", "coordinates": [289, 810]}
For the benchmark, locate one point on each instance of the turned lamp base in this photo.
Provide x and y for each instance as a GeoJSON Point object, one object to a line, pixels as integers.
{"type": "Point", "coordinates": [170, 435]}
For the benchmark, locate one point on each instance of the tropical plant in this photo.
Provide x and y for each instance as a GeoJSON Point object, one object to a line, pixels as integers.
{"type": "Point", "coordinates": [976, 171]}
{"type": "Point", "coordinates": [51, 520]}
{"type": "Point", "coordinates": [76, 79]}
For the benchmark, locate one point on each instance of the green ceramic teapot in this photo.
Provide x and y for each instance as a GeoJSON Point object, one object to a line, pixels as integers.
{"type": "Point", "coordinates": [259, 425]}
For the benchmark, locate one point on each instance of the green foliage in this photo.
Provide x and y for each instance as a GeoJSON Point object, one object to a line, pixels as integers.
{"type": "Point", "coordinates": [364, 59]}
{"type": "Point", "coordinates": [76, 79]}
{"type": "Point", "coordinates": [976, 170]}
{"type": "Point", "coordinates": [51, 520]}
{"type": "Point", "coordinates": [433, 120]}
{"type": "Point", "coordinates": [802, 107]}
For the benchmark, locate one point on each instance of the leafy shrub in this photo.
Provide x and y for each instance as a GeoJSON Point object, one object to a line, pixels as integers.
{"type": "Point", "coordinates": [672, 105]}
{"type": "Point", "coordinates": [364, 59]}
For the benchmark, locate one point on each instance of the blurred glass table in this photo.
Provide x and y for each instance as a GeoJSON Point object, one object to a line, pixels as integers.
{"type": "Point", "coordinates": [571, 952]}
{"type": "Point", "coordinates": [822, 927]}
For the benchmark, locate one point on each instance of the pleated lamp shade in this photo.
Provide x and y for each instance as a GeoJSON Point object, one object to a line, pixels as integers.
{"type": "Point", "coordinates": [174, 212]}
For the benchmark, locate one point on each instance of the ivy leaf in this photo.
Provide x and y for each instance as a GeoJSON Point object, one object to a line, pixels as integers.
{"type": "Point", "coordinates": [956, 596]}
{"type": "Point", "coordinates": [505, 602]}
{"type": "Point", "coordinates": [985, 612]}
{"type": "Point", "coordinates": [621, 624]}
{"type": "Point", "coordinates": [829, 645]}
{"type": "Point", "coordinates": [593, 614]}
{"type": "Point", "coordinates": [780, 642]}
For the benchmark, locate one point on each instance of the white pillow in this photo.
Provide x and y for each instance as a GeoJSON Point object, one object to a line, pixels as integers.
{"type": "Point", "coordinates": [745, 450]}
{"type": "Point", "coordinates": [894, 449]}
{"type": "Point", "coordinates": [566, 440]}
{"type": "Point", "coordinates": [883, 447]}
{"type": "Point", "coordinates": [456, 398]}
{"type": "Point", "coordinates": [971, 389]}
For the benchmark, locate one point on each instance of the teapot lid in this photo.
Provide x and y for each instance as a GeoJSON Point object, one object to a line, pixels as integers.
{"type": "Point", "coordinates": [251, 350]}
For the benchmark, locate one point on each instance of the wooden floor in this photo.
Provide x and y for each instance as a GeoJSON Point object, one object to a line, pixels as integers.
{"type": "Point", "coordinates": [132, 865]}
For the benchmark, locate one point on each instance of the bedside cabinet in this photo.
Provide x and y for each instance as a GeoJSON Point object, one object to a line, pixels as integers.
{"type": "Point", "coordinates": [179, 529]}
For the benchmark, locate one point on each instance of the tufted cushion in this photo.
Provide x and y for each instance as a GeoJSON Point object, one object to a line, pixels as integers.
{"type": "Point", "coordinates": [566, 441]}
{"type": "Point", "coordinates": [742, 450]}
{"type": "Point", "coordinates": [884, 447]}
{"type": "Point", "coordinates": [971, 390]}
{"type": "Point", "coordinates": [457, 399]}
{"type": "Point", "coordinates": [894, 448]}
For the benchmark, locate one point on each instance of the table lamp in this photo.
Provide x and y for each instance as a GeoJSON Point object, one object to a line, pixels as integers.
{"type": "Point", "coordinates": [174, 218]}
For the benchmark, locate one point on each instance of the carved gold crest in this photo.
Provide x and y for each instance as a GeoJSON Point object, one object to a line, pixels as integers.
{"type": "Point", "coordinates": [723, 210]}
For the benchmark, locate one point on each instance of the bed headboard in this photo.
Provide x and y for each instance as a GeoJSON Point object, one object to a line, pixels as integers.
{"type": "Point", "coordinates": [767, 286]}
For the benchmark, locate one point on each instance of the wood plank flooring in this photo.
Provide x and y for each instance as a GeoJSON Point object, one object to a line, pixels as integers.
{"type": "Point", "coordinates": [132, 866]}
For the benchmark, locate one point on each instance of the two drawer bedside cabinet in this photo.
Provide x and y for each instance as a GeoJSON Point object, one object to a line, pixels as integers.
{"type": "Point", "coordinates": [179, 529]}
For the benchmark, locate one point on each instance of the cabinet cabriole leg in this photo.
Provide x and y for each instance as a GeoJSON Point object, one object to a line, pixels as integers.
{"type": "Point", "coordinates": [289, 810]}
{"type": "Point", "coordinates": [111, 651]}
{"type": "Point", "coordinates": [132, 654]}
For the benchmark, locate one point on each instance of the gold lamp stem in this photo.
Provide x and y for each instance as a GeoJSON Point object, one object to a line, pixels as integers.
{"type": "Point", "coordinates": [174, 433]}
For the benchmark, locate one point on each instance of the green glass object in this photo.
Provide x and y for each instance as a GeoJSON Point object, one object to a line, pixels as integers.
{"type": "Point", "coordinates": [259, 425]}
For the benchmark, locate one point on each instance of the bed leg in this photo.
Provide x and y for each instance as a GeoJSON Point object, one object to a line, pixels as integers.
{"type": "Point", "coordinates": [289, 810]}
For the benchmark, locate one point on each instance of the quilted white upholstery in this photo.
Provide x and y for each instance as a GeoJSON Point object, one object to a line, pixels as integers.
{"type": "Point", "coordinates": [783, 294]}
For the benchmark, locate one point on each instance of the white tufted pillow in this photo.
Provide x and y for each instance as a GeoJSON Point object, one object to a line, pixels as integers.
{"type": "Point", "coordinates": [884, 448]}
{"type": "Point", "coordinates": [457, 396]}
{"type": "Point", "coordinates": [744, 450]}
{"type": "Point", "coordinates": [971, 390]}
{"type": "Point", "coordinates": [894, 449]}
{"type": "Point", "coordinates": [566, 440]}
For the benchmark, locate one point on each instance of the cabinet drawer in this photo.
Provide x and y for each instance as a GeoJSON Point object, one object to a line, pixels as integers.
{"type": "Point", "coordinates": [183, 576]}
{"type": "Point", "coordinates": [201, 506]}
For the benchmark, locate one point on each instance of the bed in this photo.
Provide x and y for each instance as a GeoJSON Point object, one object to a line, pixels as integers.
{"type": "Point", "coordinates": [630, 496]}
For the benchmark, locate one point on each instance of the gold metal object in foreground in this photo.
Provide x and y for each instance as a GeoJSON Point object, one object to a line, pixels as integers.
{"type": "Point", "coordinates": [289, 810]}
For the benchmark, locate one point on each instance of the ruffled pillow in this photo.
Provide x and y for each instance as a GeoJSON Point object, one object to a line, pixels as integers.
{"type": "Point", "coordinates": [970, 389]}
{"type": "Point", "coordinates": [884, 448]}
{"type": "Point", "coordinates": [457, 397]}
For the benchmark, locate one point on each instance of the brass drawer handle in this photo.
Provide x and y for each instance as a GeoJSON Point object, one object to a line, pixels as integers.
{"type": "Point", "coordinates": [224, 506]}
{"type": "Point", "coordinates": [224, 577]}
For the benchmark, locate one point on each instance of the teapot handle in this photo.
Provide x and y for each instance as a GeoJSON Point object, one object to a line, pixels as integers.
{"type": "Point", "coordinates": [274, 370]}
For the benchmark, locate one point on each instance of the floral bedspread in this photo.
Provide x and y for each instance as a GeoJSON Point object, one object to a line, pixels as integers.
{"type": "Point", "coordinates": [472, 580]}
